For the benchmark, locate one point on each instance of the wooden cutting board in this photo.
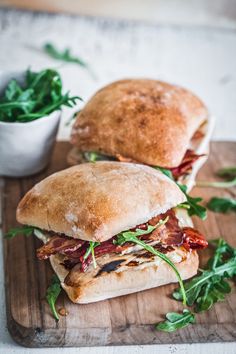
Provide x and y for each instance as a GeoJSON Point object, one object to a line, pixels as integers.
{"type": "Point", "coordinates": [123, 320]}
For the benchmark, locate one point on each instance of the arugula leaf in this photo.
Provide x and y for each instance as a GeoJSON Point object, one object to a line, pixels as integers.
{"type": "Point", "coordinates": [176, 321]}
{"type": "Point", "coordinates": [131, 236]}
{"type": "Point", "coordinates": [227, 184]}
{"type": "Point", "coordinates": [222, 205]}
{"type": "Point", "coordinates": [165, 171]}
{"type": "Point", "coordinates": [23, 230]}
{"type": "Point", "coordinates": [52, 294]}
{"type": "Point", "coordinates": [64, 55]}
{"type": "Point", "coordinates": [192, 204]}
{"type": "Point", "coordinates": [211, 286]}
{"type": "Point", "coordinates": [92, 245]}
{"type": "Point", "coordinates": [90, 249]}
{"type": "Point", "coordinates": [222, 250]}
{"type": "Point", "coordinates": [40, 95]}
{"type": "Point", "coordinates": [194, 207]}
{"type": "Point", "coordinates": [227, 172]}
{"type": "Point", "coordinates": [92, 156]}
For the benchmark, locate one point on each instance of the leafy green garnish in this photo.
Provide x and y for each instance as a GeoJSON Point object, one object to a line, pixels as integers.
{"type": "Point", "coordinates": [228, 172]}
{"type": "Point", "coordinates": [165, 171]}
{"type": "Point", "coordinates": [64, 55]}
{"type": "Point", "coordinates": [176, 321]}
{"type": "Point", "coordinates": [52, 294]}
{"type": "Point", "coordinates": [132, 236]}
{"type": "Point", "coordinates": [23, 230]}
{"type": "Point", "coordinates": [194, 207]}
{"type": "Point", "coordinates": [216, 184]}
{"type": "Point", "coordinates": [40, 95]}
{"type": "Point", "coordinates": [192, 204]}
{"type": "Point", "coordinates": [211, 286]}
{"type": "Point", "coordinates": [222, 205]}
{"type": "Point", "coordinates": [90, 249]}
{"type": "Point", "coordinates": [92, 156]}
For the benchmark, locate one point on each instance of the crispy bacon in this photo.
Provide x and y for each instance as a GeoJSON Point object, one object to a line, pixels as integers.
{"type": "Point", "coordinates": [78, 255]}
{"type": "Point", "coordinates": [193, 239]}
{"type": "Point", "coordinates": [186, 164]}
{"type": "Point", "coordinates": [185, 167]}
{"type": "Point", "coordinates": [168, 235]}
{"type": "Point", "coordinates": [59, 244]}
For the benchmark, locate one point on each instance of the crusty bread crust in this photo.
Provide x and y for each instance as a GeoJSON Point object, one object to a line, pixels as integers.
{"type": "Point", "coordinates": [201, 146]}
{"type": "Point", "coordinates": [95, 201]}
{"type": "Point", "coordinates": [148, 121]}
{"type": "Point", "coordinates": [127, 281]}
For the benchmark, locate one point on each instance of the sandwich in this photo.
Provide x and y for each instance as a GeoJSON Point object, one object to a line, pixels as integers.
{"type": "Point", "coordinates": [144, 121]}
{"type": "Point", "coordinates": [112, 228]}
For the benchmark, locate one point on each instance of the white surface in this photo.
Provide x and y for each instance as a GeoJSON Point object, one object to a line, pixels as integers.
{"type": "Point", "coordinates": [201, 59]}
{"type": "Point", "coordinates": [206, 12]}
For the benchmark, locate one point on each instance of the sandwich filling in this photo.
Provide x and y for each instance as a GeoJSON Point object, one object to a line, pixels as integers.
{"type": "Point", "coordinates": [182, 170]}
{"type": "Point", "coordinates": [173, 233]}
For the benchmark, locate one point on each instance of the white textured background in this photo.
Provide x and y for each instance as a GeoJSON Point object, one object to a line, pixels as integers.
{"type": "Point", "coordinates": [202, 58]}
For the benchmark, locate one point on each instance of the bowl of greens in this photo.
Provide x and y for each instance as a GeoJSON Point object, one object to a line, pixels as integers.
{"type": "Point", "coordinates": [30, 110]}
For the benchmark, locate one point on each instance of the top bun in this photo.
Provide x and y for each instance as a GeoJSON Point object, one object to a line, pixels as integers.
{"type": "Point", "coordinates": [95, 201]}
{"type": "Point", "coordinates": [148, 121]}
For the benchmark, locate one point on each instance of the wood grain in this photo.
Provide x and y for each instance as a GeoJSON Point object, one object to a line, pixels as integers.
{"type": "Point", "coordinates": [124, 320]}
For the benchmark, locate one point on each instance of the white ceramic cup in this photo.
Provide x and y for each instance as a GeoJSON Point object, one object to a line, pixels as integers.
{"type": "Point", "coordinates": [25, 148]}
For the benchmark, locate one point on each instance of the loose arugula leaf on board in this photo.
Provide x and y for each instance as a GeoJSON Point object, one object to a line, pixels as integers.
{"type": "Point", "coordinates": [222, 205]}
{"type": "Point", "coordinates": [132, 236]}
{"type": "Point", "coordinates": [52, 294]}
{"type": "Point", "coordinates": [216, 184]}
{"type": "Point", "coordinates": [23, 230]}
{"type": "Point", "coordinates": [222, 250]}
{"type": "Point", "coordinates": [211, 286]}
{"type": "Point", "coordinates": [228, 172]}
{"type": "Point", "coordinates": [40, 95]}
{"type": "Point", "coordinates": [176, 321]}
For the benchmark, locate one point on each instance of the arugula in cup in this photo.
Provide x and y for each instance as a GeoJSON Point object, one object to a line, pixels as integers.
{"type": "Point", "coordinates": [40, 95]}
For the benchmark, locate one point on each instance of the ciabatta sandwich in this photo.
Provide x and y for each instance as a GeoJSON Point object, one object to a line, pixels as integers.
{"type": "Point", "coordinates": [112, 228]}
{"type": "Point", "coordinates": [144, 121]}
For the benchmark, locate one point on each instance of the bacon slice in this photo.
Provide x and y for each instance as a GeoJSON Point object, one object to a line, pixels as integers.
{"type": "Point", "coordinates": [78, 255]}
{"type": "Point", "coordinates": [185, 167]}
{"type": "Point", "coordinates": [169, 234]}
{"type": "Point", "coordinates": [193, 239]}
{"type": "Point", "coordinates": [59, 244]}
{"type": "Point", "coordinates": [186, 164]}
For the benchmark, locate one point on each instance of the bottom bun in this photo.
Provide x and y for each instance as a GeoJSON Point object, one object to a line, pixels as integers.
{"type": "Point", "coordinates": [85, 288]}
